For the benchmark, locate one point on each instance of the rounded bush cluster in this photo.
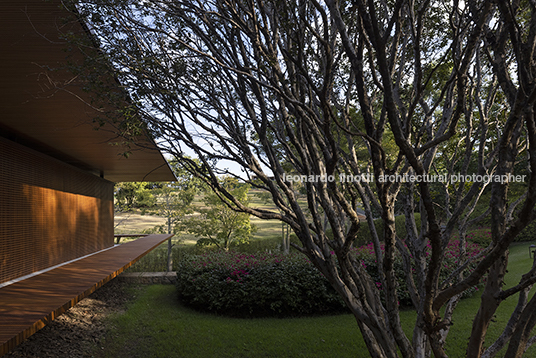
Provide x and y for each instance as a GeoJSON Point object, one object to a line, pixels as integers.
{"type": "Point", "coordinates": [247, 285]}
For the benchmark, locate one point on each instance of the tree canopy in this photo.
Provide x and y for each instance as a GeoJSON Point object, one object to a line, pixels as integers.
{"type": "Point", "coordinates": [217, 223]}
{"type": "Point", "coordinates": [344, 89]}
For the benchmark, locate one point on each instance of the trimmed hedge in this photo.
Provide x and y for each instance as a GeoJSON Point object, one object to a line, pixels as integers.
{"type": "Point", "coordinates": [246, 285]}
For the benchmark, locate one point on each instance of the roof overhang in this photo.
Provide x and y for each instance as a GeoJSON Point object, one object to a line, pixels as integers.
{"type": "Point", "coordinates": [60, 122]}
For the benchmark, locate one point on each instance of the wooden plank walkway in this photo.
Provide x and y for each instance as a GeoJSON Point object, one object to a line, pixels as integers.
{"type": "Point", "coordinates": [28, 305]}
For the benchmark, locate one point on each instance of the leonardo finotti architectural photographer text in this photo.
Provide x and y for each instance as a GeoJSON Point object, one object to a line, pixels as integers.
{"type": "Point", "coordinates": [406, 178]}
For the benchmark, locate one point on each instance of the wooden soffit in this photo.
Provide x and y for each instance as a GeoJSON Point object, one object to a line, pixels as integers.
{"type": "Point", "coordinates": [58, 121]}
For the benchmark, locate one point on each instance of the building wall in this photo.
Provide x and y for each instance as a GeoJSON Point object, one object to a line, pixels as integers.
{"type": "Point", "coordinates": [50, 212]}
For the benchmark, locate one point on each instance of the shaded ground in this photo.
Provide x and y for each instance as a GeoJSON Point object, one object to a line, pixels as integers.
{"type": "Point", "coordinates": [80, 331]}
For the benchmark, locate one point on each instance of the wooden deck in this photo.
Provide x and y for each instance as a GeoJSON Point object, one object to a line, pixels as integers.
{"type": "Point", "coordinates": [28, 305]}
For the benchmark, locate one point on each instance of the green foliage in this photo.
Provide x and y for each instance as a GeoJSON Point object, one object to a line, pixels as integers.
{"type": "Point", "coordinates": [145, 199]}
{"type": "Point", "coordinates": [130, 195]}
{"type": "Point", "coordinates": [266, 284]}
{"type": "Point", "coordinates": [154, 313]}
{"type": "Point", "coordinates": [218, 224]}
{"type": "Point", "coordinates": [174, 199]}
{"type": "Point", "coordinates": [480, 236]}
{"type": "Point", "coordinates": [174, 202]}
{"type": "Point", "coordinates": [528, 233]}
{"type": "Point", "coordinates": [450, 263]}
{"type": "Point", "coordinates": [364, 236]}
{"type": "Point", "coordinates": [156, 260]}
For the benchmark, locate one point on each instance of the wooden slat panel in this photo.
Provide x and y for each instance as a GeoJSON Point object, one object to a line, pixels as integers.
{"type": "Point", "coordinates": [28, 305]}
{"type": "Point", "coordinates": [50, 212]}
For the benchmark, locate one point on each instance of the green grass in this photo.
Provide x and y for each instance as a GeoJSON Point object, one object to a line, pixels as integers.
{"type": "Point", "coordinates": [156, 325]}
{"type": "Point", "coordinates": [519, 263]}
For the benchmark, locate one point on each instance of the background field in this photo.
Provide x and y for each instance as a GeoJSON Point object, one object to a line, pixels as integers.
{"type": "Point", "coordinates": [137, 221]}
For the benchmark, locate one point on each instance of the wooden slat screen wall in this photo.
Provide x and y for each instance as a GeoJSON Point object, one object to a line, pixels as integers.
{"type": "Point", "coordinates": [50, 212]}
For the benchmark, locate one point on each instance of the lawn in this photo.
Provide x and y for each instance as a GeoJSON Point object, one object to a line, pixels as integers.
{"type": "Point", "coordinates": [156, 325]}
{"type": "Point", "coordinates": [519, 263]}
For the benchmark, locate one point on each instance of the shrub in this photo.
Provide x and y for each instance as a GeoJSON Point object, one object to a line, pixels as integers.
{"type": "Point", "coordinates": [263, 284]}
{"type": "Point", "coordinates": [450, 263]}
{"type": "Point", "coordinates": [266, 284]}
{"type": "Point", "coordinates": [156, 260]}
{"type": "Point", "coordinates": [480, 236]}
{"type": "Point", "coordinates": [528, 233]}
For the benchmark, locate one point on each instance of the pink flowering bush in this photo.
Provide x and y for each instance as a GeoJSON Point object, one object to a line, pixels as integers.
{"type": "Point", "coordinates": [260, 284]}
{"type": "Point", "coordinates": [263, 284]}
{"type": "Point", "coordinates": [480, 235]}
{"type": "Point", "coordinates": [451, 262]}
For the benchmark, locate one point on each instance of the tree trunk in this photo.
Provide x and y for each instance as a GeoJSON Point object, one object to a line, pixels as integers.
{"type": "Point", "coordinates": [420, 342]}
{"type": "Point", "coordinates": [285, 234]}
{"type": "Point", "coordinates": [510, 327]}
{"type": "Point", "coordinates": [489, 304]}
{"type": "Point", "coordinates": [521, 335]}
{"type": "Point", "coordinates": [169, 256]}
{"type": "Point", "coordinates": [169, 247]}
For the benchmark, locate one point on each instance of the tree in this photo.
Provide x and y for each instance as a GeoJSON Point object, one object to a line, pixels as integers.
{"type": "Point", "coordinates": [217, 223]}
{"type": "Point", "coordinates": [129, 195]}
{"type": "Point", "coordinates": [174, 201]}
{"type": "Point", "coordinates": [337, 89]}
